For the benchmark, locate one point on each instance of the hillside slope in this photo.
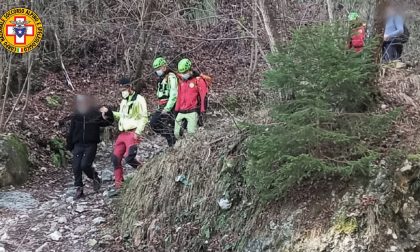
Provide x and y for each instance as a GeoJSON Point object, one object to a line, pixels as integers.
{"type": "Point", "coordinates": [380, 214]}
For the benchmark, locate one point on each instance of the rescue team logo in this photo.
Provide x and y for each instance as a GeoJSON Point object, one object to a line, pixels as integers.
{"type": "Point", "coordinates": [20, 30]}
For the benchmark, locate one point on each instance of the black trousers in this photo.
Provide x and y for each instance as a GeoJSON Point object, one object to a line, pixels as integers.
{"type": "Point", "coordinates": [83, 157]}
{"type": "Point", "coordinates": [392, 51]}
{"type": "Point", "coordinates": [164, 124]}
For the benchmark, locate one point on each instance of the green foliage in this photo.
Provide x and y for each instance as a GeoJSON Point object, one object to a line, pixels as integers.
{"type": "Point", "coordinates": [58, 148]}
{"type": "Point", "coordinates": [345, 225]}
{"type": "Point", "coordinates": [53, 101]}
{"type": "Point", "coordinates": [325, 129]}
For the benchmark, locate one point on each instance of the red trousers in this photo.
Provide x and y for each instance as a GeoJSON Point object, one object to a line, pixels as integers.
{"type": "Point", "coordinates": [125, 147]}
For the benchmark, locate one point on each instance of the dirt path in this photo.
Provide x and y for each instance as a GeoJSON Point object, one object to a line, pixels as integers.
{"type": "Point", "coordinates": [45, 217]}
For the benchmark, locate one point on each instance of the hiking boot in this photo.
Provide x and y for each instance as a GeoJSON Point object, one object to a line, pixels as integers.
{"type": "Point", "coordinates": [97, 183]}
{"type": "Point", "coordinates": [79, 193]}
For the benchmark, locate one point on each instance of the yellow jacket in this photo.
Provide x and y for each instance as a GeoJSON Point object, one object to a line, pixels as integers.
{"type": "Point", "coordinates": [133, 114]}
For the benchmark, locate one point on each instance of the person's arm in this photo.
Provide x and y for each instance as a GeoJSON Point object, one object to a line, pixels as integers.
{"type": "Point", "coordinates": [140, 110]}
{"type": "Point", "coordinates": [69, 139]}
{"type": "Point", "coordinates": [173, 93]}
{"type": "Point", "coordinates": [108, 120]}
{"type": "Point", "coordinates": [117, 114]}
{"type": "Point", "coordinates": [399, 25]}
{"type": "Point", "coordinates": [202, 89]}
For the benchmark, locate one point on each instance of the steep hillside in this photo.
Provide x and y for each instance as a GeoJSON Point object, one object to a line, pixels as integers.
{"type": "Point", "coordinates": [177, 200]}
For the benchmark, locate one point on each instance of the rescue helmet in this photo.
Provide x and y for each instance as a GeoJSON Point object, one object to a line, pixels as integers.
{"type": "Point", "coordinates": [184, 65]}
{"type": "Point", "coordinates": [159, 62]}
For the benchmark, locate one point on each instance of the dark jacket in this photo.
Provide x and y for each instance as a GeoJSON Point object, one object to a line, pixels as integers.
{"type": "Point", "coordinates": [85, 128]}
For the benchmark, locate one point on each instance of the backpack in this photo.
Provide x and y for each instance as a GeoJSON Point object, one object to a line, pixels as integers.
{"type": "Point", "coordinates": [207, 79]}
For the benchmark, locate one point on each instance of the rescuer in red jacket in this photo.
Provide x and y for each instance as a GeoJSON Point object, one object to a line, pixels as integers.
{"type": "Point", "coordinates": [192, 91]}
{"type": "Point", "coordinates": [358, 32]}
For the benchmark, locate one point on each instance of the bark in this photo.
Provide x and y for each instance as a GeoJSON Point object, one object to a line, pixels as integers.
{"type": "Point", "coordinates": [379, 26]}
{"type": "Point", "coordinates": [266, 20]}
{"type": "Point", "coordinates": [3, 111]}
{"type": "Point", "coordinates": [330, 6]}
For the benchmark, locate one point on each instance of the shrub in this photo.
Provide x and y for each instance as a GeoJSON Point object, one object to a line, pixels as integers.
{"type": "Point", "coordinates": [58, 149]}
{"type": "Point", "coordinates": [325, 128]}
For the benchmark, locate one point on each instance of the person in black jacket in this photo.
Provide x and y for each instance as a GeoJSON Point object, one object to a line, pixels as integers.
{"type": "Point", "coordinates": [83, 139]}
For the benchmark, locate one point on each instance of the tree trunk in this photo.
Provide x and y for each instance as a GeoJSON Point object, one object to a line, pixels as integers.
{"type": "Point", "coordinates": [3, 110]}
{"type": "Point", "coordinates": [330, 6]}
{"type": "Point", "coordinates": [379, 26]}
{"type": "Point", "coordinates": [267, 25]}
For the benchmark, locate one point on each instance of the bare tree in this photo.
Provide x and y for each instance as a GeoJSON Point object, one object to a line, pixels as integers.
{"type": "Point", "coordinates": [261, 4]}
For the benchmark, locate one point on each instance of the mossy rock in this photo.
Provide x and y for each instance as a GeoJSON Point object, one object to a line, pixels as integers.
{"type": "Point", "coordinates": [14, 163]}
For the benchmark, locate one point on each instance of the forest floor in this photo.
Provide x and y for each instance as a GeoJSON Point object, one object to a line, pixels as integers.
{"type": "Point", "coordinates": [43, 216]}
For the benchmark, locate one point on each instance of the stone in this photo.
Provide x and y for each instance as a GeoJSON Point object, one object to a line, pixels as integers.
{"type": "Point", "coordinates": [4, 237]}
{"type": "Point", "coordinates": [273, 225]}
{"type": "Point", "coordinates": [70, 200]}
{"type": "Point", "coordinates": [42, 248]}
{"type": "Point", "coordinates": [70, 192]}
{"type": "Point", "coordinates": [19, 201]}
{"type": "Point", "coordinates": [93, 230]}
{"type": "Point", "coordinates": [80, 229]}
{"type": "Point", "coordinates": [224, 203]}
{"type": "Point", "coordinates": [98, 220]}
{"type": "Point", "coordinates": [107, 238]}
{"type": "Point", "coordinates": [92, 242]}
{"type": "Point", "coordinates": [53, 226]}
{"type": "Point", "coordinates": [105, 194]}
{"type": "Point", "coordinates": [107, 176]}
{"type": "Point", "coordinates": [259, 245]}
{"type": "Point", "coordinates": [80, 209]}
{"type": "Point", "coordinates": [56, 236]}
{"type": "Point", "coordinates": [62, 220]}
{"type": "Point", "coordinates": [2, 249]}
{"type": "Point", "coordinates": [14, 162]}
{"type": "Point", "coordinates": [400, 65]}
{"type": "Point", "coordinates": [407, 166]}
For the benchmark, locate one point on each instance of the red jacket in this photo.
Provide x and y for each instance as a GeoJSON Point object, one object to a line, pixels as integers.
{"type": "Point", "coordinates": [192, 95]}
{"type": "Point", "coordinates": [358, 38]}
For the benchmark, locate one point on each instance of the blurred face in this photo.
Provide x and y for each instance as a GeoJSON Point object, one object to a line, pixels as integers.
{"type": "Point", "coordinates": [187, 75]}
{"type": "Point", "coordinates": [390, 11]}
{"type": "Point", "coordinates": [161, 71]}
{"type": "Point", "coordinates": [84, 104]}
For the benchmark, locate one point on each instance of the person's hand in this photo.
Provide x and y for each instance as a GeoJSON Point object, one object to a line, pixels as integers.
{"type": "Point", "coordinates": [164, 112]}
{"type": "Point", "coordinates": [136, 137]}
{"type": "Point", "coordinates": [386, 37]}
{"type": "Point", "coordinates": [103, 110]}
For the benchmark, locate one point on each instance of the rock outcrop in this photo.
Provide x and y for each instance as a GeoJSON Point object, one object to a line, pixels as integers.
{"type": "Point", "coordinates": [14, 163]}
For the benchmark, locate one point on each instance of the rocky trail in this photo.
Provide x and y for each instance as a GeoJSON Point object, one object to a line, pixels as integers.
{"type": "Point", "coordinates": [43, 216]}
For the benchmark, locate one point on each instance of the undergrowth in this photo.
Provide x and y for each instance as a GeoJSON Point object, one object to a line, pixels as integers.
{"type": "Point", "coordinates": [327, 127]}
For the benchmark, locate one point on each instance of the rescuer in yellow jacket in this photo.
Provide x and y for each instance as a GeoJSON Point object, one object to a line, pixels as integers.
{"type": "Point", "coordinates": [132, 118]}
